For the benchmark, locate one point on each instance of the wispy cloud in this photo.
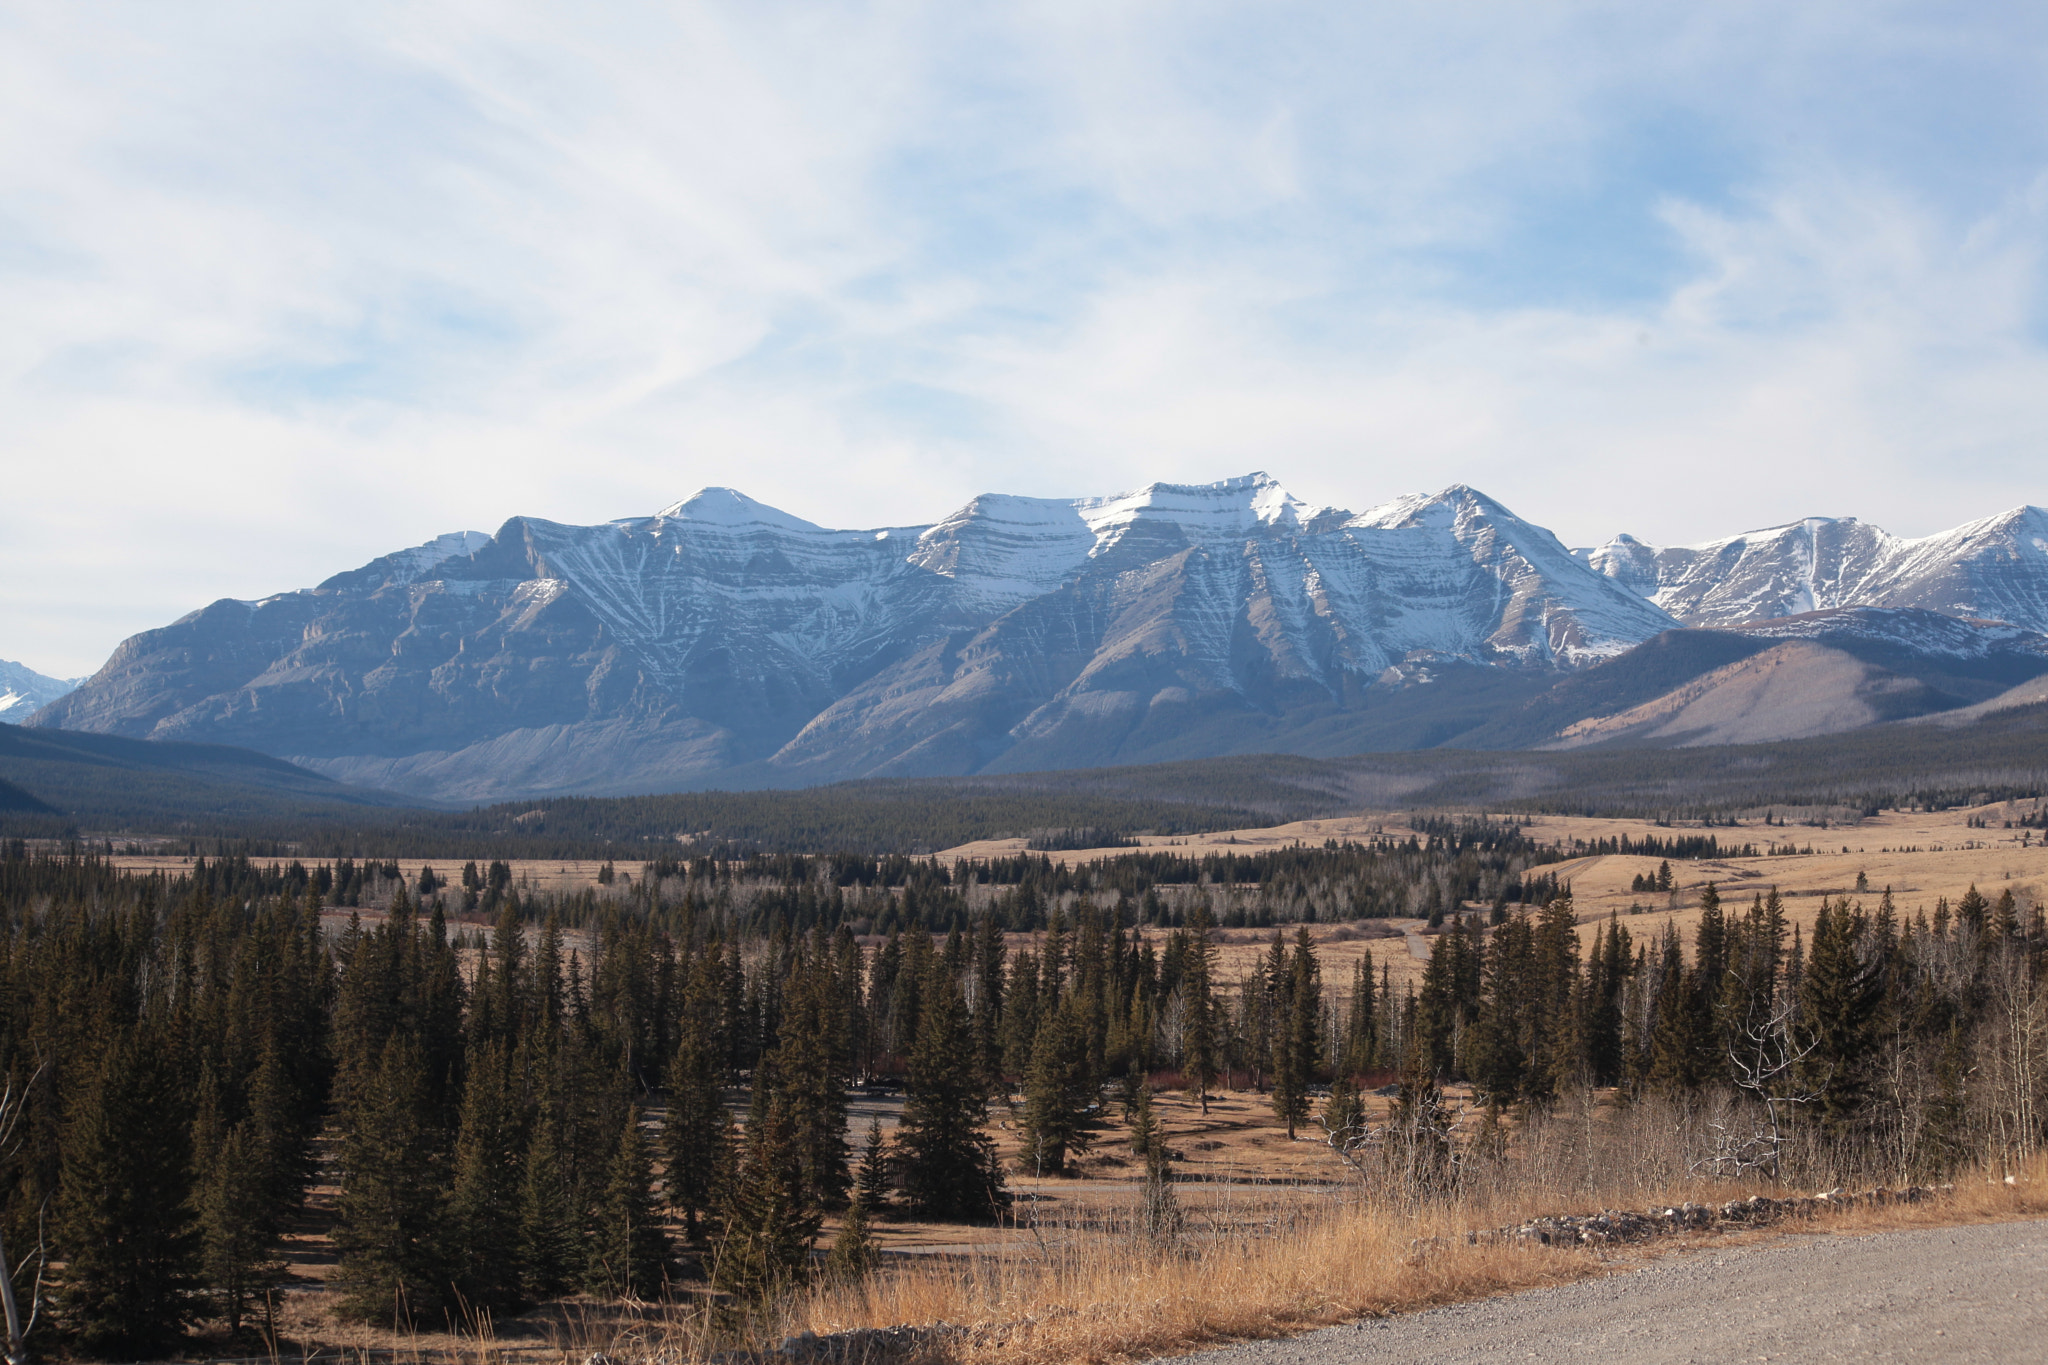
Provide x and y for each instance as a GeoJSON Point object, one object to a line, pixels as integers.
{"type": "Point", "coordinates": [285, 288]}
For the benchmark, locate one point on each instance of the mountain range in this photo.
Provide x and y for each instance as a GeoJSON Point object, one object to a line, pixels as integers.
{"type": "Point", "coordinates": [722, 642]}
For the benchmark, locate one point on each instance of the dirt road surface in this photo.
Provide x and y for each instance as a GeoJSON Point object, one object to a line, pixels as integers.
{"type": "Point", "coordinates": [1945, 1294]}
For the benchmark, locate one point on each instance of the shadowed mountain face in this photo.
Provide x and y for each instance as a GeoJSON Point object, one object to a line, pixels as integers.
{"type": "Point", "coordinates": [721, 642]}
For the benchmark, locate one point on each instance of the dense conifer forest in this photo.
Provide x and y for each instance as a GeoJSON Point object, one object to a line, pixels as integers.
{"type": "Point", "coordinates": [642, 1087]}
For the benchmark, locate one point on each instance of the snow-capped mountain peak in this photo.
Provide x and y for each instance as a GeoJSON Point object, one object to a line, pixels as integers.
{"type": "Point", "coordinates": [1995, 568]}
{"type": "Point", "coordinates": [24, 691]}
{"type": "Point", "coordinates": [1204, 513]}
{"type": "Point", "coordinates": [730, 507]}
{"type": "Point", "coordinates": [723, 639]}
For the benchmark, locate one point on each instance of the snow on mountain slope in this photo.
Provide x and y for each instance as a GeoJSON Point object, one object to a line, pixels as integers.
{"type": "Point", "coordinates": [722, 640]}
{"type": "Point", "coordinates": [1515, 576]}
{"type": "Point", "coordinates": [24, 691]}
{"type": "Point", "coordinates": [721, 632]}
{"type": "Point", "coordinates": [1994, 569]}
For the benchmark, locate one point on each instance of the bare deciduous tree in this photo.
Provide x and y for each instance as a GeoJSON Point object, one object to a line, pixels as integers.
{"type": "Point", "coordinates": [12, 1102]}
{"type": "Point", "coordinates": [1765, 1058]}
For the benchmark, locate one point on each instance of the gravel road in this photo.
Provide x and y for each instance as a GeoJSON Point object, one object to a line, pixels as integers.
{"type": "Point", "coordinates": [1946, 1294]}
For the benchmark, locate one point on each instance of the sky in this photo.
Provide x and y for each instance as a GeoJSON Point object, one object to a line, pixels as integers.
{"type": "Point", "coordinates": [286, 287]}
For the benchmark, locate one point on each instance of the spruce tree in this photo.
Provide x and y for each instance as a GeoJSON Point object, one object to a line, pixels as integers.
{"type": "Point", "coordinates": [871, 1181]}
{"type": "Point", "coordinates": [629, 1252]}
{"type": "Point", "coordinates": [1297, 1033]}
{"type": "Point", "coordinates": [550, 1242]}
{"type": "Point", "coordinates": [124, 1224]}
{"type": "Point", "coordinates": [694, 1132]}
{"type": "Point", "coordinates": [484, 1211]}
{"type": "Point", "coordinates": [392, 1227]}
{"type": "Point", "coordinates": [1497, 1048]}
{"type": "Point", "coordinates": [1060, 1093]}
{"type": "Point", "coordinates": [238, 1223]}
{"type": "Point", "coordinates": [853, 1254]}
{"type": "Point", "coordinates": [1838, 995]}
{"type": "Point", "coordinates": [769, 1221]}
{"type": "Point", "coordinates": [949, 1165]}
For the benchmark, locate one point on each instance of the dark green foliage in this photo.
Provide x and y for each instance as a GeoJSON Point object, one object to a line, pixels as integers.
{"type": "Point", "coordinates": [764, 1247]}
{"type": "Point", "coordinates": [694, 1135]}
{"type": "Point", "coordinates": [549, 1241]}
{"type": "Point", "coordinates": [394, 1176]}
{"type": "Point", "coordinates": [853, 1253]}
{"type": "Point", "coordinates": [1297, 1029]}
{"type": "Point", "coordinates": [629, 1251]}
{"type": "Point", "coordinates": [871, 1181]}
{"type": "Point", "coordinates": [484, 1211]}
{"type": "Point", "coordinates": [1061, 1092]}
{"type": "Point", "coordinates": [236, 1202]}
{"type": "Point", "coordinates": [1839, 994]}
{"type": "Point", "coordinates": [949, 1165]}
{"type": "Point", "coordinates": [124, 1214]}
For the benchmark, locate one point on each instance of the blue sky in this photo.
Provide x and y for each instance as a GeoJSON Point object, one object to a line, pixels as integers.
{"type": "Point", "coordinates": [286, 287]}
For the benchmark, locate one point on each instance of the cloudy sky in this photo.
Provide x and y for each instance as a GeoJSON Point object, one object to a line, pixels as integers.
{"type": "Point", "coordinates": [284, 287]}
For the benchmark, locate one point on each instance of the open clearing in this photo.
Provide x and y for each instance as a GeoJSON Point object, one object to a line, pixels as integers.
{"type": "Point", "coordinates": [1973, 1293]}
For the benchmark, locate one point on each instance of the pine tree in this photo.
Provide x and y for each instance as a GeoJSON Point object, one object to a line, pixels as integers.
{"type": "Point", "coordinates": [1361, 1023]}
{"type": "Point", "coordinates": [1838, 995]}
{"type": "Point", "coordinates": [1496, 1046]}
{"type": "Point", "coordinates": [1060, 1093]}
{"type": "Point", "coordinates": [236, 1203]}
{"type": "Point", "coordinates": [1344, 1110]}
{"type": "Point", "coordinates": [1163, 1220]}
{"type": "Point", "coordinates": [808, 1084]}
{"type": "Point", "coordinates": [124, 1223]}
{"type": "Point", "coordinates": [1297, 1033]}
{"type": "Point", "coordinates": [853, 1253]}
{"type": "Point", "coordinates": [871, 1181]}
{"type": "Point", "coordinates": [629, 1252]}
{"type": "Point", "coordinates": [764, 1246]}
{"type": "Point", "coordinates": [549, 1246]}
{"type": "Point", "coordinates": [393, 1193]}
{"type": "Point", "coordinates": [484, 1211]}
{"type": "Point", "coordinates": [1556, 1052]}
{"type": "Point", "coordinates": [1681, 1038]}
{"type": "Point", "coordinates": [949, 1165]}
{"type": "Point", "coordinates": [694, 1133]}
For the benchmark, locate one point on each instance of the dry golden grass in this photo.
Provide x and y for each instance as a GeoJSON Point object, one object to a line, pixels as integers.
{"type": "Point", "coordinates": [1115, 1297]}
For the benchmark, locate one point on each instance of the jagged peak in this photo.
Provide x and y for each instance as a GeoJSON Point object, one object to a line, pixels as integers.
{"type": "Point", "coordinates": [1804, 526]}
{"type": "Point", "coordinates": [1441, 508]}
{"type": "Point", "coordinates": [730, 507]}
{"type": "Point", "coordinates": [1224, 507]}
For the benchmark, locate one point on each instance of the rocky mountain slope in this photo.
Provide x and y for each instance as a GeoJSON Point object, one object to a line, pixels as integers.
{"type": "Point", "coordinates": [1993, 569]}
{"type": "Point", "coordinates": [23, 691]}
{"type": "Point", "coordinates": [720, 641]}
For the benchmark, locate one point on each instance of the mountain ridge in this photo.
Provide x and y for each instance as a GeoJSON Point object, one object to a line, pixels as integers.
{"type": "Point", "coordinates": [722, 641]}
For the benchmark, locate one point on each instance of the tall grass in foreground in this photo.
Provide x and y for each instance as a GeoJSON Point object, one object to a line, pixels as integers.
{"type": "Point", "coordinates": [1104, 1297]}
{"type": "Point", "coordinates": [1106, 1285]}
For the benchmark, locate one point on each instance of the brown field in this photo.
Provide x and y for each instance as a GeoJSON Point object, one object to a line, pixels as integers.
{"type": "Point", "coordinates": [1920, 856]}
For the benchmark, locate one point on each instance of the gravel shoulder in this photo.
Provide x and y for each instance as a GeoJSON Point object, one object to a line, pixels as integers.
{"type": "Point", "coordinates": [1977, 1293]}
